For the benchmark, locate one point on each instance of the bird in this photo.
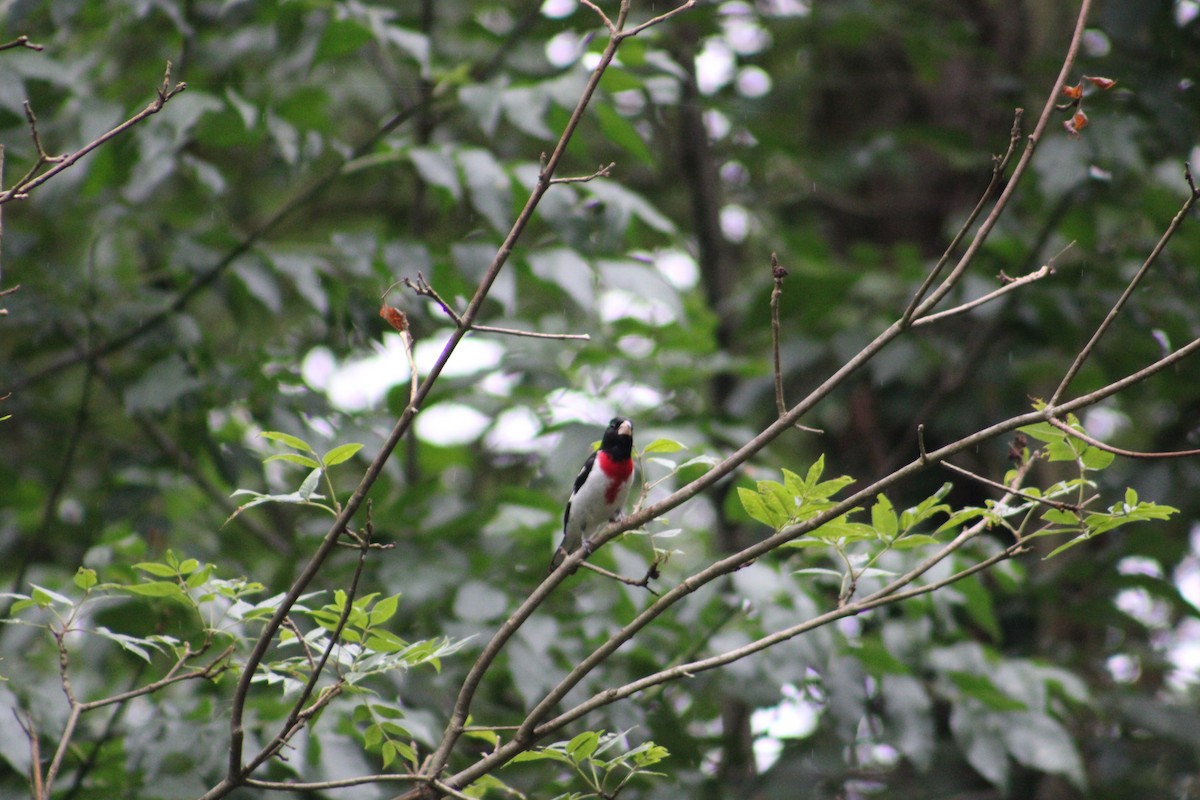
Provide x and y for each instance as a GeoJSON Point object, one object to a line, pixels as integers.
{"type": "Point", "coordinates": [600, 491]}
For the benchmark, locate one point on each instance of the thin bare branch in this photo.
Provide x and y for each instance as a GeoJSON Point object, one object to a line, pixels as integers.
{"type": "Point", "coordinates": [22, 41]}
{"type": "Point", "coordinates": [30, 182]}
{"type": "Point", "coordinates": [422, 287]}
{"type": "Point", "coordinates": [778, 273]}
{"type": "Point", "coordinates": [35, 753]}
{"type": "Point", "coordinates": [1176, 221]}
{"type": "Point", "coordinates": [650, 23]}
{"type": "Point", "coordinates": [577, 337]}
{"type": "Point", "coordinates": [602, 172]}
{"type": "Point", "coordinates": [1012, 285]}
{"type": "Point", "coordinates": [642, 582]}
{"type": "Point", "coordinates": [214, 668]}
{"type": "Point", "coordinates": [608, 23]}
{"type": "Point", "coordinates": [442, 787]}
{"type": "Point", "coordinates": [999, 165]}
{"type": "Point", "coordinates": [1117, 451]}
{"type": "Point", "coordinates": [341, 783]}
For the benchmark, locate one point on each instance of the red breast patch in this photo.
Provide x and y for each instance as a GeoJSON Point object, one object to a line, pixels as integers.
{"type": "Point", "coordinates": [617, 473]}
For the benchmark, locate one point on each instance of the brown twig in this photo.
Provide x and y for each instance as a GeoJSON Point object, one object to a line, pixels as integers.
{"type": "Point", "coordinates": [778, 273]}
{"type": "Point", "coordinates": [22, 41]}
{"type": "Point", "coordinates": [602, 172]}
{"type": "Point", "coordinates": [422, 288]}
{"type": "Point", "coordinates": [31, 181]}
{"type": "Point", "coordinates": [1117, 451]}
{"type": "Point", "coordinates": [35, 753]}
{"type": "Point", "coordinates": [999, 165]}
{"type": "Point", "coordinates": [642, 582]}
{"type": "Point", "coordinates": [1011, 284]}
{"type": "Point", "coordinates": [340, 783]}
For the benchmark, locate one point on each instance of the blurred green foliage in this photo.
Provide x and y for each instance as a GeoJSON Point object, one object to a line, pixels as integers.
{"type": "Point", "coordinates": [216, 273]}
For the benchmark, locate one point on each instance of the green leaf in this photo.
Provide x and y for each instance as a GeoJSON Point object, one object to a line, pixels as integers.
{"type": "Point", "coordinates": [1061, 516]}
{"type": "Point", "coordinates": [877, 660]}
{"type": "Point", "coordinates": [1042, 743]}
{"type": "Point", "coordinates": [815, 471]}
{"type": "Point", "coordinates": [156, 589]}
{"type": "Point", "coordinates": [755, 506]}
{"type": "Point", "coordinates": [309, 486]}
{"type": "Point", "coordinates": [983, 690]}
{"type": "Point", "coordinates": [491, 737]}
{"type": "Point", "coordinates": [1094, 458]}
{"type": "Point", "coordinates": [568, 270]}
{"type": "Point", "coordinates": [979, 606]}
{"type": "Point", "coordinates": [156, 569]}
{"type": "Point", "coordinates": [388, 753]}
{"type": "Point", "coordinates": [833, 573]}
{"type": "Point", "coordinates": [437, 168]}
{"type": "Point", "coordinates": [490, 187]}
{"type": "Point", "coordinates": [384, 610]}
{"type": "Point", "coordinates": [200, 577]}
{"type": "Point", "coordinates": [339, 454]}
{"type": "Point", "coordinates": [340, 38]}
{"type": "Point", "coordinates": [805, 542]}
{"type": "Point", "coordinates": [841, 529]}
{"type": "Point", "coordinates": [663, 446]}
{"type": "Point", "coordinates": [883, 517]}
{"type": "Point", "coordinates": [45, 597]}
{"type": "Point", "coordinates": [293, 458]}
{"type": "Point", "coordinates": [541, 754]}
{"type": "Point", "coordinates": [960, 517]}
{"type": "Point", "coordinates": [913, 540]}
{"type": "Point", "coordinates": [583, 745]}
{"type": "Point", "coordinates": [85, 578]}
{"type": "Point", "coordinates": [294, 442]}
{"type": "Point", "coordinates": [621, 132]}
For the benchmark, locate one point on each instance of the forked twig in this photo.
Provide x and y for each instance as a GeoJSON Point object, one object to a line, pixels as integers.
{"type": "Point", "coordinates": [22, 41]}
{"type": "Point", "coordinates": [32, 180]}
{"type": "Point", "coordinates": [422, 288]}
{"type": "Point", "coordinates": [999, 165]}
{"type": "Point", "coordinates": [642, 582]}
{"type": "Point", "coordinates": [602, 172]}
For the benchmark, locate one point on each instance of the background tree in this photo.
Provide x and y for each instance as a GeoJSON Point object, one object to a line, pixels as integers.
{"type": "Point", "coordinates": [216, 272]}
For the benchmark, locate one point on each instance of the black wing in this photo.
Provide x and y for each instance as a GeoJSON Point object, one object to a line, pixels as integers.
{"type": "Point", "coordinates": [579, 479]}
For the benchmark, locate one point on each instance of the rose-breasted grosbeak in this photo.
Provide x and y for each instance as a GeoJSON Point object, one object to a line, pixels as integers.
{"type": "Point", "coordinates": [600, 489]}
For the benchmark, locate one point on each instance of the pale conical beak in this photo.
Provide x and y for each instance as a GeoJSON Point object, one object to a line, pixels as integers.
{"type": "Point", "coordinates": [626, 428]}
